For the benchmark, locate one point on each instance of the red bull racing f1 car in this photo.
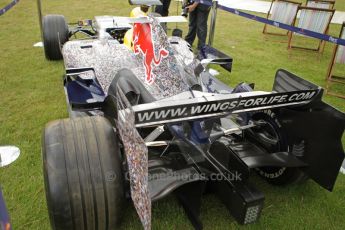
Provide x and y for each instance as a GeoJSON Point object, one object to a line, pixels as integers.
{"type": "Point", "coordinates": [150, 120]}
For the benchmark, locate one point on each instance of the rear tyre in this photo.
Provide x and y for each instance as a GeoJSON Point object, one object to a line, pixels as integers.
{"type": "Point", "coordinates": [272, 138]}
{"type": "Point", "coordinates": [55, 34]}
{"type": "Point", "coordinates": [82, 174]}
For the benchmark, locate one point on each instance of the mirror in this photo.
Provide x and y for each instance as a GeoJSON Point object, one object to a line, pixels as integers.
{"type": "Point", "coordinates": [214, 56]}
{"type": "Point", "coordinates": [8, 154]}
{"type": "Point", "coordinates": [218, 61]}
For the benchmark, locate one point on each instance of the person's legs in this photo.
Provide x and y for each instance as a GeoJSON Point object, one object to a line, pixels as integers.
{"type": "Point", "coordinates": [163, 10]}
{"type": "Point", "coordinates": [166, 5]}
{"type": "Point", "coordinates": [192, 27]}
{"type": "Point", "coordinates": [202, 16]}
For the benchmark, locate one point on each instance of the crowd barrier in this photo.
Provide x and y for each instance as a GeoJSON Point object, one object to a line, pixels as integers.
{"type": "Point", "coordinates": [8, 7]}
{"type": "Point", "coordinates": [215, 5]}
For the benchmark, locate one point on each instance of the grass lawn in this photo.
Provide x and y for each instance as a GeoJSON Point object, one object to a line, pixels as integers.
{"type": "Point", "coordinates": [31, 94]}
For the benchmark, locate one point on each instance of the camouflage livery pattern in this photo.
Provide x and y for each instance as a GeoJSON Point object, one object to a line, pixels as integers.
{"type": "Point", "coordinates": [182, 50]}
{"type": "Point", "coordinates": [169, 78]}
{"type": "Point", "coordinates": [107, 57]}
{"type": "Point", "coordinates": [137, 159]}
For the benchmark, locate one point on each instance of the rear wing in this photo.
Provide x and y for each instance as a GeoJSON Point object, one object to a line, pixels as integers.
{"type": "Point", "coordinates": [183, 107]}
{"type": "Point", "coordinates": [288, 90]}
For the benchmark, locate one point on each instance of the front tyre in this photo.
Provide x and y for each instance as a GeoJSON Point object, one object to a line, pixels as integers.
{"type": "Point", "coordinates": [82, 174]}
{"type": "Point", "coordinates": [55, 34]}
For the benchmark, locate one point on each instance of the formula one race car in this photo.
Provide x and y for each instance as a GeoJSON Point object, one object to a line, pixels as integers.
{"type": "Point", "coordinates": [151, 120]}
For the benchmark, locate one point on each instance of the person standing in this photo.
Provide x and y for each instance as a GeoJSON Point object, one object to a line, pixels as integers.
{"type": "Point", "coordinates": [198, 15]}
{"type": "Point", "coordinates": [163, 10]}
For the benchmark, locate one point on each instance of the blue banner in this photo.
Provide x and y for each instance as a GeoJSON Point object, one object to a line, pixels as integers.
{"type": "Point", "coordinates": [8, 7]}
{"type": "Point", "coordinates": [305, 32]}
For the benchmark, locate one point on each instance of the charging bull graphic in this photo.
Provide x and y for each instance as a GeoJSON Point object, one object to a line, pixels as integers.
{"type": "Point", "coordinates": [144, 44]}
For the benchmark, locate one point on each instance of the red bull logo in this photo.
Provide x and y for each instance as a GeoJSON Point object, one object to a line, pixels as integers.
{"type": "Point", "coordinates": [144, 44]}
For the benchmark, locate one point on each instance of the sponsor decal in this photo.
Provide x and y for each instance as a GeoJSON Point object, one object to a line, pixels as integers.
{"type": "Point", "coordinates": [221, 106]}
{"type": "Point", "coordinates": [271, 114]}
{"type": "Point", "coordinates": [144, 44]}
{"type": "Point", "coordinates": [334, 40]}
{"type": "Point", "coordinates": [272, 175]}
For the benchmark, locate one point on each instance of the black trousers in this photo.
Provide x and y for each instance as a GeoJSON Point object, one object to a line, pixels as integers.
{"type": "Point", "coordinates": [198, 25]}
{"type": "Point", "coordinates": [163, 9]}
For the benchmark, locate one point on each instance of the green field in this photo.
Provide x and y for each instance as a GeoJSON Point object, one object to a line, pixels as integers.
{"type": "Point", "coordinates": [31, 94]}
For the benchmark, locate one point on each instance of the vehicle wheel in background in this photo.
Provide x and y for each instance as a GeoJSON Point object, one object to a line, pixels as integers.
{"type": "Point", "coordinates": [272, 138]}
{"type": "Point", "coordinates": [55, 34]}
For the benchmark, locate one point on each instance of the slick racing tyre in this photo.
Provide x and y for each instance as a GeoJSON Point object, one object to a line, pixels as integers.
{"type": "Point", "coordinates": [83, 179]}
{"type": "Point", "coordinates": [55, 34]}
{"type": "Point", "coordinates": [272, 138]}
